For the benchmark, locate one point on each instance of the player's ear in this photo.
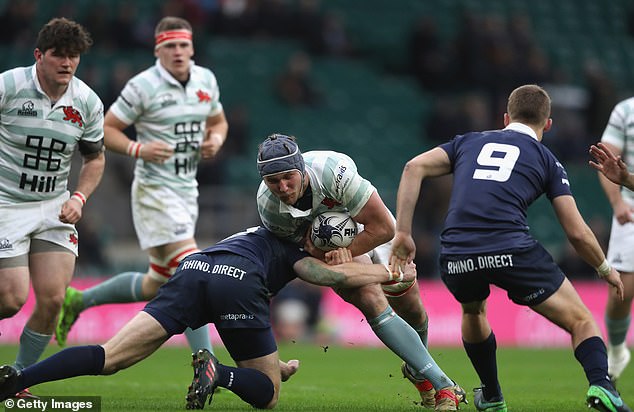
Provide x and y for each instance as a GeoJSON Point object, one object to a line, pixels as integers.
{"type": "Point", "coordinates": [507, 119]}
{"type": "Point", "coordinates": [548, 124]}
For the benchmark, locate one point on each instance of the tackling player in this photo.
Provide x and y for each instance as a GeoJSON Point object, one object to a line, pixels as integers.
{"type": "Point", "coordinates": [179, 119]}
{"type": "Point", "coordinates": [231, 285]}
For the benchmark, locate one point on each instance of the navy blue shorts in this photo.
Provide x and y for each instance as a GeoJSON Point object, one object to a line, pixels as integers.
{"type": "Point", "coordinates": [221, 288]}
{"type": "Point", "coordinates": [529, 276]}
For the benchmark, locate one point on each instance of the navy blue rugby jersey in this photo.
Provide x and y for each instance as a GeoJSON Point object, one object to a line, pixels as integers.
{"type": "Point", "coordinates": [497, 175]}
{"type": "Point", "coordinates": [275, 257]}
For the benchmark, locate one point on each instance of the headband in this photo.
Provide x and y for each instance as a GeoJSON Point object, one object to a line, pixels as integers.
{"type": "Point", "coordinates": [172, 36]}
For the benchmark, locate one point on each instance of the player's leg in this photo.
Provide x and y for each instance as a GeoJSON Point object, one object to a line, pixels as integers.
{"type": "Point", "coordinates": [480, 345]}
{"type": "Point", "coordinates": [400, 338]}
{"type": "Point", "coordinates": [257, 377]}
{"type": "Point", "coordinates": [566, 309]}
{"type": "Point", "coordinates": [618, 318]}
{"type": "Point", "coordinates": [139, 338]}
{"type": "Point", "coordinates": [472, 289]}
{"type": "Point", "coordinates": [14, 284]}
{"type": "Point", "coordinates": [618, 315]}
{"type": "Point", "coordinates": [51, 268]}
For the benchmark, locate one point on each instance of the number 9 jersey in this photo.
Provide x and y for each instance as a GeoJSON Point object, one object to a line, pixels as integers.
{"type": "Point", "coordinates": [507, 170]}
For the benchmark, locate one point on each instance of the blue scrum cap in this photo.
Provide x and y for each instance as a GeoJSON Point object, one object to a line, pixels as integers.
{"type": "Point", "coordinates": [279, 153]}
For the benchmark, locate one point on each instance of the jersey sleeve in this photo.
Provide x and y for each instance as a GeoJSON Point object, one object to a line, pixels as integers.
{"type": "Point", "coordinates": [614, 132]}
{"type": "Point", "coordinates": [94, 124]}
{"type": "Point", "coordinates": [129, 105]}
{"type": "Point", "coordinates": [557, 183]}
{"type": "Point", "coordinates": [348, 186]}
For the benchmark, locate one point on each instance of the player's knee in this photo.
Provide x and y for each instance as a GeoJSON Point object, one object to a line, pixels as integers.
{"type": "Point", "coordinates": [10, 306]}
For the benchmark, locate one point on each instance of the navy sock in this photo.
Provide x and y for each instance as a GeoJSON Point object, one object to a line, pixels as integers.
{"type": "Point", "coordinates": [482, 356]}
{"type": "Point", "coordinates": [251, 385]}
{"type": "Point", "coordinates": [592, 355]}
{"type": "Point", "coordinates": [75, 361]}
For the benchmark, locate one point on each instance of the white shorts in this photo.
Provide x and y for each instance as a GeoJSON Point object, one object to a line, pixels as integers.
{"type": "Point", "coordinates": [621, 249]}
{"type": "Point", "coordinates": [381, 254]}
{"type": "Point", "coordinates": [162, 216]}
{"type": "Point", "coordinates": [22, 222]}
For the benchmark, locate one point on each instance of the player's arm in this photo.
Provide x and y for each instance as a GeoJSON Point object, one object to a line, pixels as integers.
{"type": "Point", "coordinates": [434, 162]}
{"type": "Point", "coordinates": [378, 226]}
{"type": "Point", "coordinates": [216, 128]}
{"type": "Point", "coordinates": [349, 274]}
{"type": "Point", "coordinates": [117, 141]}
{"type": "Point", "coordinates": [583, 240]}
{"type": "Point", "coordinates": [93, 165]}
{"type": "Point", "coordinates": [613, 174]}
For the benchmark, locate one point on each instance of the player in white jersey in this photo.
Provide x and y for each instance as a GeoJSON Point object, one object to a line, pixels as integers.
{"type": "Point", "coordinates": [619, 138]}
{"type": "Point", "coordinates": [296, 188]}
{"type": "Point", "coordinates": [179, 119]}
{"type": "Point", "coordinates": [45, 114]}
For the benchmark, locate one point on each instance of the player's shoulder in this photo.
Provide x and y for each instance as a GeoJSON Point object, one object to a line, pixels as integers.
{"type": "Point", "coordinates": [328, 160]}
{"type": "Point", "coordinates": [17, 79]}
{"type": "Point", "coordinates": [82, 91]}
{"type": "Point", "coordinates": [625, 107]}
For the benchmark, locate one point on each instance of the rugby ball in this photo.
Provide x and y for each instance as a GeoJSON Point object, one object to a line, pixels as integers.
{"type": "Point", "coordinates": [331, 230]}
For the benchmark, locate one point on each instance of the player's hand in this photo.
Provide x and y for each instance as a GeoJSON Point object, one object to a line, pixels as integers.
{"type": "Point", "coordinates": [338, 256]}
{"type": "Point", "coordinates": [611, 165]}
{"type": "Point", "coordinates": [156, 152]}
{"type": "Point", "coordinates": [313, 250]}
{"type": "Point", "coordinates": [403, 250]}
{"type": "Point", "coordinates": [623, 213]}
{"type": "Point", "coordinates": [211, 144]}
{"type": "Point", "coordinates": [71, 211]}
{"type": "Point", "coordinates": [614, 279]}
{"type": "Point", "coordinates": [409, 272]}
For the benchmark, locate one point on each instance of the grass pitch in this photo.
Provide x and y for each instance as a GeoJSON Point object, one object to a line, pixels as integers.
{"type": "Point", "coordinates": [340, 378]}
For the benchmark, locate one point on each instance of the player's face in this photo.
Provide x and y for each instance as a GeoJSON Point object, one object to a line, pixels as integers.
{"type": "Point", "coordinates": [55, 70]}
{"type": "Point", "coordinates": [287, 186]}
{"type": "Point", "coordinates": [176, 57]}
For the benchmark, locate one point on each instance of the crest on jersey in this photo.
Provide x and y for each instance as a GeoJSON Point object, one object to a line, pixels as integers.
{"type": "Point", "coordinates": [203, 97]}
{"type": "Point", "coordinates": [73, 116]}
{"type": "Point", "coordinates": [330, 203]}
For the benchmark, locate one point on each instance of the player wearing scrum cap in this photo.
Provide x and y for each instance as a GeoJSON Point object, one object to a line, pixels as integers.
{"type": "Point", "coordinates": [295, 189]}
{"type": "Point", "coordinates": [176, 110]}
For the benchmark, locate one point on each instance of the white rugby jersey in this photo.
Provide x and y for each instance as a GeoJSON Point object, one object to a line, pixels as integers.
{"type": "Point", "coordinates": [38, 138]}
{"type": "Point", "coordinates": [336, 185]}
{"type": "Point", "coordinates": [162, 109]}
{"type": "Point", "coordinates": [620, 133]}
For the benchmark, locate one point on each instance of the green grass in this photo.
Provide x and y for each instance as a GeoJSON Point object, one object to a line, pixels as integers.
{"type": "Point", "coordinates": [346, 378]}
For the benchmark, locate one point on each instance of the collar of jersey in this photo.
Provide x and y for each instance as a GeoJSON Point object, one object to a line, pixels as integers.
{"type": "Point", "coordinates": [522, 128]}
{"type": "Point", "coordinates": [167, 75]}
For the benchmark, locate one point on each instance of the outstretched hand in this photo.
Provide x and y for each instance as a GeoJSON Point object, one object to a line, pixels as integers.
{"type": "Point", "coordinates": [611, 165]}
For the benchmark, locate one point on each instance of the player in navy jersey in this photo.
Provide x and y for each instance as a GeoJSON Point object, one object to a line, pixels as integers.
{"type": "Point", "coordinates": [486, 240]}
{"type": "Point", "coordinates": [229, 284]}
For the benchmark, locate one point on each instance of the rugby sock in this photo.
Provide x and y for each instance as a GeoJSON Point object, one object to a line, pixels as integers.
{"type": "Point", "coordinates": [617, 329]}
{"type": "Point", "coordinates": [122, 288]}
{"type": "Point", "coordinates": [592, 355]}
{"type": "Point", "coordinates": [399, 336]}
{"type": "Point", "coordinates": [422, 331]}
{"type": "Point", "coordinates": [75, 361]}
{"type": "Point", "coordinates": [482, 356]}
{"type": "Point", "coordinates": [251, 385]}
{"type": "Point", "coordinates": [32, 345]}
{"type": "Point", "coordinates": [199, 339]}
